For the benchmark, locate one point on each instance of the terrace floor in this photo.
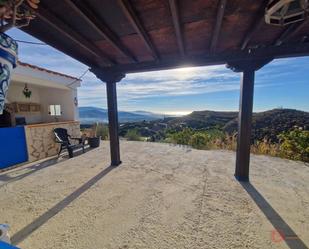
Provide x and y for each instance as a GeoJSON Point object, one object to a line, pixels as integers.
{"type": "Point", "coordinates": [162, 196]}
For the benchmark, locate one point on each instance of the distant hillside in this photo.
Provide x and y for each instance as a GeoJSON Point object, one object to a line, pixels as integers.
{"type": "Point", "coordinates": [204, 119]}
{"type": "Point", "coordinates": [89, 115]}
{"type": "Point", "coordinates": [271, 123]}
{"type": "Point", "coordinates": [266, 124]}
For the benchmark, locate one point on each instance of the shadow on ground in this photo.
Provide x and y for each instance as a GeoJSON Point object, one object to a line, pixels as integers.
{"type": "Point", "coordinates": [19, 173]}
{"type": "Point", "coordinates": [282, 231]}
{"type": "Point", "coordinates": [41, 220]}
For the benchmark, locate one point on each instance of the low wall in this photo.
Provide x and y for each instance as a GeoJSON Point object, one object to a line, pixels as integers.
{"type": "Point", "coordinates": [13, 148]}
{"type": "Point", "coordinates": [41, 140]}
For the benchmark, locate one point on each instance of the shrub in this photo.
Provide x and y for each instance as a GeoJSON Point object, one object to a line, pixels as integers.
{"type": "Point", "coordinates": [133, 135]}
{"type": "Point", "coordinates": [102, 131]}
{"type": "Point", "coordinates": [265, 147]}
{"type": "Point", "coordinates": [295, 145]}
{"type": "Point", "coordinates": [181, 137]}
{"type": "Point", "coordinates": [200, 140]}
{"type": "Point", "coordinates": [229, 142]}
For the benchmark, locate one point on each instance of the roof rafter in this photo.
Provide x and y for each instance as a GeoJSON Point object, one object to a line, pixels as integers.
{"type": "Point", "coordinates": [101, 29]}
{"type": "Point", "coordinates": [289, 32]}
{"type": "Point", "coordinates": [178, 30]}
{"type": "Point", "coordinates": [255, 26]}
{"type": "Point", "coordinates": [218, 25]}
{"type": "Point", "coordinates": [128, 10]}
{"type": "Point", "coordinates": [65, 30]}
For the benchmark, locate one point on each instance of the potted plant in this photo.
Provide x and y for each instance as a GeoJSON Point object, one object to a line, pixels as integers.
{"type": "Point", "coordinates": [94, 139]}
{"type": "Point", "coordinates": [13, 13]}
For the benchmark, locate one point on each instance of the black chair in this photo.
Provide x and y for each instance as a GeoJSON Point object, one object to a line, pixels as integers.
{"type": "Point", "coordinates": [63, 138]}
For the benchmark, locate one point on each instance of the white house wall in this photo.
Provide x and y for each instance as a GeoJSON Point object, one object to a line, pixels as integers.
{"type": "Point", "coordinates": [15, 94]}
{"type": "Point", "coordinates": [65, 98]}
{"type": "Point", "coordinates": [45, 96]}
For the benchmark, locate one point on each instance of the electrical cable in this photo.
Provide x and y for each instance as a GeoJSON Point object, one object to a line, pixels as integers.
{"type": "Point", "coordinates": [32, 43]}
{"type": "Point", "coordinates": [79, 78]}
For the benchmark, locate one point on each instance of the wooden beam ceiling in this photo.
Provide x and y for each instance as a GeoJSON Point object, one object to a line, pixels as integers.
{"type": "Point", "coordinates": [65, 30]}
{"type": "Point", "coordinates": [131, 15]}
{"type": "Point", "coordinates": [177, 26]}
{"type": "Point", "coordinates": [101, 28]}
{"type": "Point", "coordinates": [255, 26]}
{"type": "Point", "coordinates": [271, 52]}
{"type": "Point", "coordinates": [217, 28]}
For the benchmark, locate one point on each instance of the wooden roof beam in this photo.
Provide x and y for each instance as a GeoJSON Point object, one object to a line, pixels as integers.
{"type": "Point", "coordinates": [101, 29]}
{"type": "Point", "coordinates": [289, 32]}
{"type": "Point", "coordinates": [178, 30]}
{"type": "Point", "coordinates": [255, 26]}
{"type": "Point", "coordinates": [65, 30]}
{"type": "Point", "coordinates": [218, 25]}
{"type": "Point", "coordinates": [271, 52]}
{"type": "Point", "coordinates": [128, 10]}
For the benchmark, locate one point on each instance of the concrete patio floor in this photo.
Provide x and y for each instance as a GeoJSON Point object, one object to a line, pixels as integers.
{"type": "Point", "coordinates": [162, 196]}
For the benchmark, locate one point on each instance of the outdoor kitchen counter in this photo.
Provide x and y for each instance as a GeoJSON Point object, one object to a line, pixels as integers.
{"type": "Point", "coordinates": [52, 123]}
{"type": "Point", "coordinates": [41, 140]}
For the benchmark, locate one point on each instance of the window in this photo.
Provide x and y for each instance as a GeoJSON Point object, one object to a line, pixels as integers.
{"type": "Point", "coordinates": [55, 110]}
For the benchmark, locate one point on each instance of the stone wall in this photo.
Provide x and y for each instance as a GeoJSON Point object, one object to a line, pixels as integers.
{"type": "Point", "coordinates": [41, 140]}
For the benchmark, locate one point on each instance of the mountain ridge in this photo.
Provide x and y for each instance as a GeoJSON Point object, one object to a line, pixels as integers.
{"type": "Point", "coordinates": [89, 115]}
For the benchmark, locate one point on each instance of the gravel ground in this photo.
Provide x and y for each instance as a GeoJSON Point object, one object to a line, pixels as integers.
{"type": "Point", "coordinates": [162, 196]}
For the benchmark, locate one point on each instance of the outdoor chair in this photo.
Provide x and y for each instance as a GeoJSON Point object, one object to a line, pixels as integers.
{"type": "Point", "coordinates": [63, 138]}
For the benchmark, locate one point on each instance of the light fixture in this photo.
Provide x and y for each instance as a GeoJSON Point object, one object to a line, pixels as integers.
{"type": "Point", "coordinates": [284, 12]}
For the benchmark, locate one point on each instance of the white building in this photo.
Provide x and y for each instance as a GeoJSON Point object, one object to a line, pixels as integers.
{"type": "Point", "coordinates": [38, 100]}
{"type": "Point", "coordinates": [48, 89]}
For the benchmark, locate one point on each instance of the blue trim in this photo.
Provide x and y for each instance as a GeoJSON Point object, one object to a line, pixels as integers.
{"type": "Point", "coordinates": [7, 56]}
{"type": "Point", "coordinates": [13, 147]}
{"type": "Point", "coordinates": [242, 178]}
{"type": "Point", "coordinates": [8, 42]}
{"type": "Point", "coordinates": [4, 245]}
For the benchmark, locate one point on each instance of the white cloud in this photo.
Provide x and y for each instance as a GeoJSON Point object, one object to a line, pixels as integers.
{"type": "Point", "coordinates": [177, 82]}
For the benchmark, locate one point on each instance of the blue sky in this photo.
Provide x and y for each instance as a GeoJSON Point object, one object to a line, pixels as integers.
{"type": "Point", "coordinates": [282, 83]}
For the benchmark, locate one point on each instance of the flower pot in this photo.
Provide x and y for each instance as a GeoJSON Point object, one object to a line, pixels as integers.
{"type": "Point", "coordinates": [94, 142]}
{"type": "Point", "coordinates": [8, 60]}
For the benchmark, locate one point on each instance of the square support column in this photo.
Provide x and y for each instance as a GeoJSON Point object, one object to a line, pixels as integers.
{"type": "Point", "coordinates": [113, 125]}
{"type": "Point", "coordinates": [244, 125]}
{"type": "Point", "coordinates": [248, 68]}
{"type": "Point", "coordinates": [111, 78]}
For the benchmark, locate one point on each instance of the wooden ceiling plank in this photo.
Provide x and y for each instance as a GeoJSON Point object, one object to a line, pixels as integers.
{"type": "Point", "coordinates": [178, 29]}
{"type": "Point", "coordinates": [259, 20]}
{"type": "Point", "coordinates": [218, 25]}
{"type": "Point", "coordinates": [65, 30]}
{"type": "Point", "coordinates": [102, 29]}
{"type": "Point", "coordinates": [131, 15]}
